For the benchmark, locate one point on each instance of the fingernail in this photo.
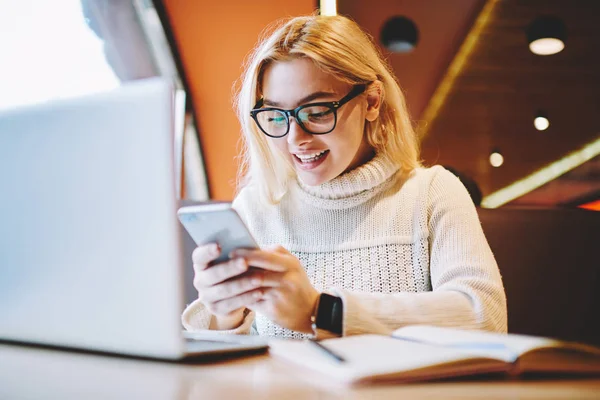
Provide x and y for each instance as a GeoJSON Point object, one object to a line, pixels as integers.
{"type": "Point", "coordinates": [255, 281]}
{"type": "Point", "coordinates": [241, 263]}
{"type": "Point", "coordinates": [257, 294]}
{"type": "Point", "coordinates": [215, 249]}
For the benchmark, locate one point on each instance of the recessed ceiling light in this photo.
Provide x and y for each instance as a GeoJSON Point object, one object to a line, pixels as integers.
{"type": "Point", "coordinates": [541, 121]}
{"type": "Point", "coordinates": [546, 46]}
{"type": "Point", "coordinates": [546, 36]}
{"type": "Point", "coordinates": [399, 35]}
{"type": "Point", "coordinates": [496, 159]}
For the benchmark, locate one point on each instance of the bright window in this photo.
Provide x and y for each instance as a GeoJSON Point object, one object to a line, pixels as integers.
{"type": "Point", "coordinates": [48, 51]}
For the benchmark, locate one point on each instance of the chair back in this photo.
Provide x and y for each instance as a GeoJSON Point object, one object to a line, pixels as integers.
{"type": "Point", "coordinates": [550, 264]}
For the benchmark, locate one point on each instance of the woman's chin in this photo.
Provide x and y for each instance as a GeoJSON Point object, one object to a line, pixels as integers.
{"type": "Point", "coordinates": [316, 176]}
{"type": "Point", "coordinates": [311, 179]}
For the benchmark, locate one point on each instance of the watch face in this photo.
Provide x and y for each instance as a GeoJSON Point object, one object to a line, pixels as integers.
{"type": "Point", "coordinates": [330, 313]}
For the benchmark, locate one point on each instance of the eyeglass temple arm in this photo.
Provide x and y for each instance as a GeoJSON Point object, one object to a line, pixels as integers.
{"type": "Point", "coordinates": [258, 104]}
{"type": "Point", "coordinates": [358, 89]}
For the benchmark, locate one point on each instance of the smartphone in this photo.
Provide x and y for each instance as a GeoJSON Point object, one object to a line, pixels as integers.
{"type": "Point", "coordinates": [216, 223]}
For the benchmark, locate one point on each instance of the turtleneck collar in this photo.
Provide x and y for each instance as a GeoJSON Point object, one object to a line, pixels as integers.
{"type": "Point", "coordinates": [353, 187]}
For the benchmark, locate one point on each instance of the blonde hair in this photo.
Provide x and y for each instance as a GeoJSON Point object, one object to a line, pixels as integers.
{"type": "Point", "coordinates": [339, 47]}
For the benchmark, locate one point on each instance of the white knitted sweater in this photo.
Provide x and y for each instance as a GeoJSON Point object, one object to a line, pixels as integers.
{"type": "Point", "coordinates": [398, 252]}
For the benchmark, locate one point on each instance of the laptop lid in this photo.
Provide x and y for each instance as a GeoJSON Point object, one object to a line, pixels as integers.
{"type": "Point", "coordinates": [89, 242]}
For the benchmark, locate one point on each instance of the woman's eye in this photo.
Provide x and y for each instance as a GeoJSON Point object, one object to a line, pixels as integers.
{"type": "Point", "coordinates": [276, 120]}
{"type": "Point", "coordinates": [317, 115]}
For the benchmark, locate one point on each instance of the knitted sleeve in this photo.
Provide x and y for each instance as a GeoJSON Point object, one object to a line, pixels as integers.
{"type": "Point", "coordinates": [467, 290]}
{"type": "Point", "coordinates": [196, 318]}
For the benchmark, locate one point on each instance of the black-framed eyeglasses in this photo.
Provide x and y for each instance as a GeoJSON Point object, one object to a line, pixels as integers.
{"type": "Point", "coordinates": [314, 118]}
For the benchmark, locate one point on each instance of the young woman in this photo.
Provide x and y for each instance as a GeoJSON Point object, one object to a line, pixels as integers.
{"type": "Point", "coordinates": [355, 235]}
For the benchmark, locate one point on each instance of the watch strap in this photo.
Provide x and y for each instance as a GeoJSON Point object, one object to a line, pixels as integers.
{"type": "Point", "coordinates": [328, 315]}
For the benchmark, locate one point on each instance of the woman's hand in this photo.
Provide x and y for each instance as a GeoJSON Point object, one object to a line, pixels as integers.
{"type": "Point", "coordinates": [287, 296]}
{"type": "Point", "coordinates": [219, 292]}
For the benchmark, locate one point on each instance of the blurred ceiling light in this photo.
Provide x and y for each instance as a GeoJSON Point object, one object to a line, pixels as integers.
{"type": "Point", "coordinates": [328, 7]}
{"type": "Point", "coordinates": [399, 35]}
{"type": "Point", "coordinates": [546, 36]}
{"type": "Point", "coordinates": [542, 176]}
{"type": "Point", "coordinates": [438, 99]}
{"type": "Point", "coordinates": [496, 159]}
{"type": "Point", "coordinates": [541, 121]}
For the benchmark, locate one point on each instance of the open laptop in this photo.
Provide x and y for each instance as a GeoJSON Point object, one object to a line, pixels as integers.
{"type": "Point", "coordinates": [90, 246]}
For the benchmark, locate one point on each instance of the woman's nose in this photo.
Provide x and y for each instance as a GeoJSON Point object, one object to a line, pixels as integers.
{"type": "Point", "coordinates": [297, 136]}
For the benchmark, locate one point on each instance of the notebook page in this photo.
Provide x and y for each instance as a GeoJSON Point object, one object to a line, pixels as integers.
{"type": "Point", "coordinates": [505, 346]}
{"type": "Point", "coordinates": [375, 355]}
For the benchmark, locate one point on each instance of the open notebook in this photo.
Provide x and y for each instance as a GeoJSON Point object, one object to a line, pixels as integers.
{"type": "Point", "coordinates": [422, 352]}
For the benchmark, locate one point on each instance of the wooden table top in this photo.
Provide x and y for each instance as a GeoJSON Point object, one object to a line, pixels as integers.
{"type": "Point", "coordinates": [33, 372]}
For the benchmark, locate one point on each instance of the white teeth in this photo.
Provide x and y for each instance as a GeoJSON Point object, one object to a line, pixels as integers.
{"type": "Point", "coordinates": [310, 157]}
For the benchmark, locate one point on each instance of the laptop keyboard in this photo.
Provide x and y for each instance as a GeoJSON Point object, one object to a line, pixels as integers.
{"type": "Point", "coordinates": [199, 345]}
{"type": "Point", "coordinates": [203, 346]}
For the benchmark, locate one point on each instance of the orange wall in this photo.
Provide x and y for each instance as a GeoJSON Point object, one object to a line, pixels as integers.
{"type": "Point", "coordinates": [213, 38]}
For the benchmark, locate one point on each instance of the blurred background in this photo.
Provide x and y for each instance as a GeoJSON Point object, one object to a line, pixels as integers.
{"type": "Point", "coordinates": [506, 93]}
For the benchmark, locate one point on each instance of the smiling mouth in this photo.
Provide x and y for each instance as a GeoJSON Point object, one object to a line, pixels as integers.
{"type": "Point", "coordinates": [312, 158]}
{"type": "Point", "coordinates": [312, 161]}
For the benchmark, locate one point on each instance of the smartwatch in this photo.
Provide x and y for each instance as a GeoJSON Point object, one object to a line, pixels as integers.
{"type": "Point", "coordinates": [328, 315]}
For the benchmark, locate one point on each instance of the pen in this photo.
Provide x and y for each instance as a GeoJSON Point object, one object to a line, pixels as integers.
{"type": "Point", "coordinates": [327, 351]}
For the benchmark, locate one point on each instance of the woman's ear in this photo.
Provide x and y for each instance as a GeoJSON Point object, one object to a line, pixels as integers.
{"type": "Point", "coordinates": [374, 97]}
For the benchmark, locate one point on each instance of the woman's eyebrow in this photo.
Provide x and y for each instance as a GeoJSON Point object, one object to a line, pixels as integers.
{"type": "Point", "coordinates": [303, 100]}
